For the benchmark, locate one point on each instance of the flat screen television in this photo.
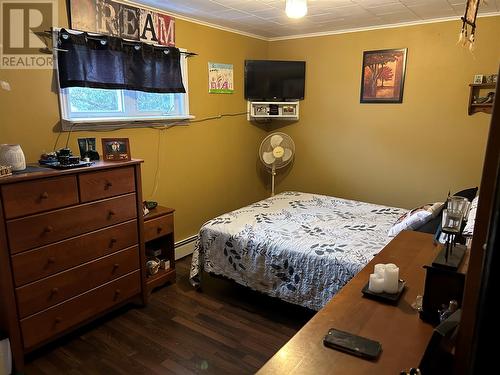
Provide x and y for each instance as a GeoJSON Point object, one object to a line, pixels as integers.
{"type": "Point", "coordinates": [271, 80]}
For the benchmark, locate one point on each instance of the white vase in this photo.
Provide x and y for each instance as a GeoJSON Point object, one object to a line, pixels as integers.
{"type": "Point", "coordinates": [12, 155]}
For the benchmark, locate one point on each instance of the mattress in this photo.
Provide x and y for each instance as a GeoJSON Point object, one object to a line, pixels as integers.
{"type": "Point", "coordinates": [299, 247]}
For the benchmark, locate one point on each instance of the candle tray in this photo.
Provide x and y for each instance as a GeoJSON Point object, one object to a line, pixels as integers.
{"type": "Point", "coordinates": [57, 165]}
{"type": "Point", "coordinates": [392, 298]}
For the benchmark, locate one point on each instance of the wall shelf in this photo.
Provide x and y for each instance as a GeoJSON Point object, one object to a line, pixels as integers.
{"type": "Point", "coordinates": [273, 110]}
{"type": "Point", "coordinates": [477, 90]}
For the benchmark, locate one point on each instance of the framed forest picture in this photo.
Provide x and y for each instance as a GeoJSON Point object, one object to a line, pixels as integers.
{"type": "Point", "coordinates": [383, 76]}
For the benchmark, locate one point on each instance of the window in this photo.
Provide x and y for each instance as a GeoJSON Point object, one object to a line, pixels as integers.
{"type": "Point", "coordinates": [88, 107]}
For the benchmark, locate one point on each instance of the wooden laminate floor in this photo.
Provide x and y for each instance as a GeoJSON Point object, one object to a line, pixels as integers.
{"type": "Point", "coordinates": [225, 329]}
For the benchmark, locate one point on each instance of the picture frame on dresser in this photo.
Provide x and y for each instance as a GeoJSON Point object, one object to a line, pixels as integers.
{"type": "Point", "coordinates": [115, 149]}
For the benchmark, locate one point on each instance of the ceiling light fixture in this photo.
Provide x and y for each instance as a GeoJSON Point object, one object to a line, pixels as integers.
{"type": "Point", "coordinates": [296, 8]}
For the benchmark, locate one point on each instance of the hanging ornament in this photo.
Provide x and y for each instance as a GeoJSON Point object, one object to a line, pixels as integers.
{"type": "Point", "coordinates": [466, 36]}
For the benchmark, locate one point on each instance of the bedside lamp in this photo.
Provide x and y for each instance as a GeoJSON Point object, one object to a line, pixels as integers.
{"type": "Point", "coordinates": [12, 155]}
{"type": "Point", "coordinates": [451, 255]}
{"type": "Point", "coordinates": [443, 280]}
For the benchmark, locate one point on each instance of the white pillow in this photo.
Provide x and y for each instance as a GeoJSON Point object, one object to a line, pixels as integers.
{"type": "Point", "coordinates": [415, 218]}
{"type": "Point", "coordinates": [471, 218]}
{"type": "Point", "coordinates": [435, 209]}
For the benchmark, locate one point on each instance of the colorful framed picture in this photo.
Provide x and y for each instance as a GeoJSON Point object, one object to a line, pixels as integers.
{"type": "Point", "coordinates": [383, 76]}
{"type": "Point", "coordinates": [115, 149]}
{"type": "Point", "coordinates": [220, 78]}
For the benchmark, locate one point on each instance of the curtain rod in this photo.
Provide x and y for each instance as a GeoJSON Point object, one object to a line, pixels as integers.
{"type": "Point", "coordinates": [48, 34]}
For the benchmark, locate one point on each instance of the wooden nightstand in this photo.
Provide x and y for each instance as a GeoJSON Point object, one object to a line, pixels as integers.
{"type": "Point", "coordinates": [159, 236]}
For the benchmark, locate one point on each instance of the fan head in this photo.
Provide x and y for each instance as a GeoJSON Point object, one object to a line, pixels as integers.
{"type": "Point", "coordinates": [277, 150]}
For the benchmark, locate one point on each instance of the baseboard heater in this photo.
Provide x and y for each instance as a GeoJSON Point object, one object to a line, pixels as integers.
{"type": "Point", "coordinates": [185, 247]}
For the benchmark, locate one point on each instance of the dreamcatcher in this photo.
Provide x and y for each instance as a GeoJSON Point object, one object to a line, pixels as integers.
{"type": "Point", "coordinates": [469, 24]}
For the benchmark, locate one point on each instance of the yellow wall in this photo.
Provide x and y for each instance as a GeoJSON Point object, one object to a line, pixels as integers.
{"type": "Point", "coordinates": [397, 154]}
{"type": "Point", "coordinates": [206, 168]}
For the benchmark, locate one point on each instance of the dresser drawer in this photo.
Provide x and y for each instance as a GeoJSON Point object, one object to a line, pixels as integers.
{"type": "Point", "coordinates": [42, 326]}
{"type": "Point", "coordinates": [44, 261]}
{"type": "Point", "coordinates": [47, 292]}
{"type": "Point", "coordinates": [25, 198]}
{"type": "Point", "coordinates": [158, 227]}
{"type": "Point", "coordinates": [105, 184]}
{"type": "Point", "coordinates": [41, 229]}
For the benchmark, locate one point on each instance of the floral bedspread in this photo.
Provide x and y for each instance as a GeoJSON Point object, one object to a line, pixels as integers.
{"type": "Point", "coordinates": [299, 247]}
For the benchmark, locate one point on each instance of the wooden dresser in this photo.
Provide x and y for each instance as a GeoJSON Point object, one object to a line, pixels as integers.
{"type": "Point", "coordinates": [71, 249]}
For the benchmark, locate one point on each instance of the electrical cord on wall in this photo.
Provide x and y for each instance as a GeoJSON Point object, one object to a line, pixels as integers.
{"type": "Point", "coordinates": [161, 129]}
{"type": "Point", "coordinates": [67, 139]}
{"type": "Point", "coordinates": [57, 140]}
{"type": "Point", "coordinates": [156, 180]}
{"type": "Point", "coordinates": [158, 127]}
{"type": "Point", "coordinates": [69, 135]}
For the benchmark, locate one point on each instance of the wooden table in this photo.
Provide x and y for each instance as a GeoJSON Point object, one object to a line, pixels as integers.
{"type": "Point", "coordinates": [404, 337]}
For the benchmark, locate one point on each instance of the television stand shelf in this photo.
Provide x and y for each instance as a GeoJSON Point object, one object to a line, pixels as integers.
{"type": "Point", "coordinates": [273, 110]}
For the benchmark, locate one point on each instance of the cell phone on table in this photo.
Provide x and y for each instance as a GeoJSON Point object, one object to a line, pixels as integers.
{"type": "Point", "coordinates": [352, 344]}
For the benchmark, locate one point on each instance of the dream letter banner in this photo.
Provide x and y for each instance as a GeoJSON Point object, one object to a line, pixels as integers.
{"type": "Point", "coordinates": [122, 20]}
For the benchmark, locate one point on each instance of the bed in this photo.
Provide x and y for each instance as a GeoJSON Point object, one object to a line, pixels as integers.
{"type": "Point", "coordinates": [299, 247]}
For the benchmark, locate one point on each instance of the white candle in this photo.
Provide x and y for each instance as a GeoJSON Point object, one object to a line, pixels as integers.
{"type": "Point", "coordinates": [376, 283]}
{"type": "Point", "coordinates": [379, 269]}
{"type": "Point", "coordinates": [391, 278]}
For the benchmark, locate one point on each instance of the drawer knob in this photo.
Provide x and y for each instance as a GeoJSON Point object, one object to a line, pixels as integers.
{"type": "Point", "coordinates": [58, 320]}
{"type": "Point", "coordinates": [107, 185]}
{"type": "Point", "coordinates": [48, 229]}
{"type": "Point", "coordinates": [159, 229]}
{"type": "Point", "coordinates": [112, 242]}
{"type": "Point", "coordinates": [54, 291]}
{"type": "Point", "coordinates": [51, 260]}
{"type": "Point", "coordinates": [44, 195]}
{"type": "Point", "coordinates": [115, 266]}
{"type": "Point", "coordinates": [117, 293]}
{"type": "Point", "coordinates": [112, 213]}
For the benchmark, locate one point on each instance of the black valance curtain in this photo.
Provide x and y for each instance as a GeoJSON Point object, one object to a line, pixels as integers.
{"type": "Point", "coordinates": [107, 62]}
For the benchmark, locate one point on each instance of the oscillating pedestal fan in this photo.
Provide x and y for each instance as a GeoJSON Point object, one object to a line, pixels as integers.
{"type": "Point", "coordinates": [276, 151]}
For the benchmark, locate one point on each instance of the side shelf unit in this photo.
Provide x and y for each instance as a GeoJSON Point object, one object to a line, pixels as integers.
{"type": "Point", "coordinates": [477, 90]}
{"type": "Point", "coordinates": [273, 110]}
{"type": "Point", "coordinates": [159, 238]}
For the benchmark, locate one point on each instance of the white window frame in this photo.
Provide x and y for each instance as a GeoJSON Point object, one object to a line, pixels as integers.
{"type": "Point", "coordinates": [94, 122]}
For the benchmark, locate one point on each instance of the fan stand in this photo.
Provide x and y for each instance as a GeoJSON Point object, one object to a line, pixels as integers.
{"type": "Point", "coordinates": [273, 173]}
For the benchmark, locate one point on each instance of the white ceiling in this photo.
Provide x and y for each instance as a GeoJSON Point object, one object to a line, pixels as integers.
{"type": "Point", "coordinates": [267, 19]}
